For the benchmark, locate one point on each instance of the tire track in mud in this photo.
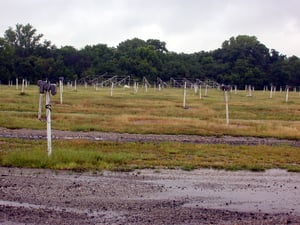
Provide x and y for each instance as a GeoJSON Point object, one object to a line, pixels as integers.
{"type": "Point", "coordinates": [126, 137]}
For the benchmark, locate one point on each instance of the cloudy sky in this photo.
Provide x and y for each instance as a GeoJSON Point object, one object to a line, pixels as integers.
{"type": "Point", "coordinates": [185, 25]}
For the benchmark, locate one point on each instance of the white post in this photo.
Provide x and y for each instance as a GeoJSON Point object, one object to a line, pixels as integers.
{"type": "Point", "coordinates": [206, 87]}
{"type": "Point", "coordinates": [17, 83]}
{"type": "Point", "coordinates": [48, 114]}
{"type": "Point", "coordinates": [75, 85]}
{"type": "Point", "coordinates": [61, 89]}
{"type": "Point", "coordinates": [287, 94]}
{"type": "Point", "coordinates": [184, 95]}
{"type": "Point", "coordinates": [250, 94]}
{"type": "Point", "coordinates": [111, 88]}
{"type": "Point", "coordinates": [136, 87]}
{"type": "Point", "coordinates": [235, 89]}
{"type": "Point", "coordinates": [227, 108]}
{"type": "Point", "coordinates": [23, 86]}
{"type": "Point", "coordinates": [271, 92]}
{"type": "Point", "coordinates": [40, 107]}
{"type": "Point", "coordinates": [195, 88]}
{"type": "Point", "coordinates": [146, 87]}
{"type": "Point", "coordinates": [200, 92]}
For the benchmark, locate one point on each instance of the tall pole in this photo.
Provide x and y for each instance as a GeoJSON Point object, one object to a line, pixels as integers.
{"type": "Point", "coordinates": [200, 92]}
{"type": "Point", "coordinates": [287, 94]}
{"type": "Point", "coordinates": [61, 89]}
{"type": "Point", "coordinates": [227, 108]}
{"type": "Point", "coordinates": [271, 91]}
{"type": "Point", "coordinates": [184, 95]}
{"type": "Point", "coordinates": [23, 86]}
{"type": "Point", "coordinates": [111, 88]}
{"type": "Point", "coordinates": [48, 114]}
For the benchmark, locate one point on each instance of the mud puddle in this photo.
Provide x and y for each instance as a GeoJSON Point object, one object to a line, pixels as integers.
{"type": "Point", "coordinates": [273, 191]}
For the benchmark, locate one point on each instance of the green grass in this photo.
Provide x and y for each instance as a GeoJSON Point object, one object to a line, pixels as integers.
{"type": "Point", "coordinates": [156, 112]}
{"type": "Point", "coordinates": [153, 112]}
{"type": "Point", "coordinates": [90, 155]}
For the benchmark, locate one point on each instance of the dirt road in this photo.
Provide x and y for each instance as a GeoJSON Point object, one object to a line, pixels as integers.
{"type": "Point", "coordinates": [31, 196]}
{"type": "Point", "coordinates": [124, 137]}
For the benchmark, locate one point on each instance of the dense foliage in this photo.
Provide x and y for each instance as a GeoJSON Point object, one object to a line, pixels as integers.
{"type": "Point", "coordinates": [241, 60]}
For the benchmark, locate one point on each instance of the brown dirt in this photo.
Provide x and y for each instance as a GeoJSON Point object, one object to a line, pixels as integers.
{"type": "Point", "coordinates": [125, 137]}
{"type": "Point", "coordinates": [31, 196]}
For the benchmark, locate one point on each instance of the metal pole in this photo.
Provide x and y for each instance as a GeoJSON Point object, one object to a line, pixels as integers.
{"type": "Point", "coordinates": [48, 114]}
{"type": "Point", "coordinates": [111, 89]}
{"type": "Point", "coordinates": [287, 94]}
{"type": "Point", "coordinates": [200, 92]}
{"type": "Point", "coordinates": [61, 91]}
{"type": "Point", "coordinates": [227, 109]}
{"type": "Point", "coordinates": [23, 86]}
{"type": "Point", "coordinates": [184, 95]}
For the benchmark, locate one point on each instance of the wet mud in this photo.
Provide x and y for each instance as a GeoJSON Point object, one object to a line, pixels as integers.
{"type": "Point", "coordinates": [37, 196]}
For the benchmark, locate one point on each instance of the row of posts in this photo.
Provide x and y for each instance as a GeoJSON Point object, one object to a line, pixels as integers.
{"type": "Point", "coordinates": [46, 88]}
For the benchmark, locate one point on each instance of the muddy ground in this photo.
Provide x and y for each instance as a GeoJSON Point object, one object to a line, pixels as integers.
{"type": "Point", "coordinates": [31, 196]}
{"type": "Point", "coordinates": [35, 196]}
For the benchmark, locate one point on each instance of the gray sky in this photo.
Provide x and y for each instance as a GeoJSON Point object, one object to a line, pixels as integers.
{"type": "Point", "coordinates": [185, 25]}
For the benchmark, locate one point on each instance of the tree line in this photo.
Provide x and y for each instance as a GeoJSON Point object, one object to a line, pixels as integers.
{"type": "Point", "coordinates": [240, 61]}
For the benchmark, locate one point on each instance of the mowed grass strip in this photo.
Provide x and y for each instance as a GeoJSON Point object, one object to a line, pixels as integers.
{"type": "Point", "coordinates": [83, 155]}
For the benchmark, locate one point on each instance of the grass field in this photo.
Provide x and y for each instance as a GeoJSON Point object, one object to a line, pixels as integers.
{"type": "Point", "coordinates": [157, 112]}
{"type": "Point", "coordinates": [90, 155]}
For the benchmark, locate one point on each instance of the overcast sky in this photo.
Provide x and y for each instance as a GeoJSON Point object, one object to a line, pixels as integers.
{"type": "Point", "coordinates": [185, 25]}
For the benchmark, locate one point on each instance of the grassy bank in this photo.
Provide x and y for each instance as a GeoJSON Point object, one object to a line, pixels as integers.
{"type": "Point", "coordinates": [158, 112]}
{"type": "Point", "coordinates": [97, 156]}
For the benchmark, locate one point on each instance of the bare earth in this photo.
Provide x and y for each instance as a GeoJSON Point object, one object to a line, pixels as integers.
{"type": "Point", "coordinates": [109, 136]}
{"type": "Point", "coordinates": [31, 196]}
{"type": "Point", "coordinates": [34, 196]}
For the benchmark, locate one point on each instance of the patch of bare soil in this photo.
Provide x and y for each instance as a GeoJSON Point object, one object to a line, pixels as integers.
{"type": "Point", "coordinates": [125, 137]}
{"type": "Point", "coordinates": [32, 196]}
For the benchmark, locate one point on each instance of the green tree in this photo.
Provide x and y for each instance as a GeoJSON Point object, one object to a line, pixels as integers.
{"type": "Point", "coordinates": [6, 61]}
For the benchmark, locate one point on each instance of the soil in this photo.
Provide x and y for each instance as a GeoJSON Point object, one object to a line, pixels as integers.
{"type": "Point", "coordinates": [36, 196]}
{"type": "Point", "coordinates": [125, 137]}
{"type": "Point", "coordinates": [41, 196]}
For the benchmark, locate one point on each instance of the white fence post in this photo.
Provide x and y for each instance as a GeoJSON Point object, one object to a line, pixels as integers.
{"type": "Point", "coordinates": [184, 95]}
